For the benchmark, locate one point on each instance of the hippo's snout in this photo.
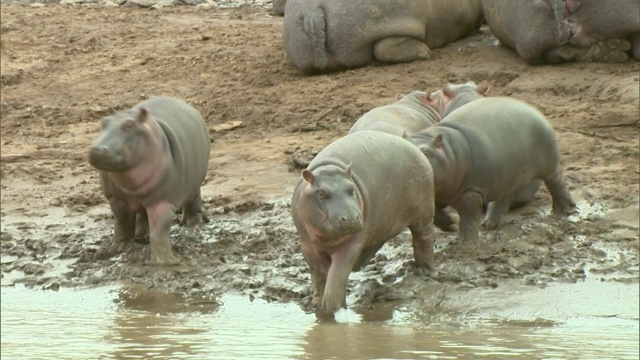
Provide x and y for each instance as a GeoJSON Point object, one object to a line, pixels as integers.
{"type": "Point", "coordinates": [104, 158]}
{"type": "Point", "coordinates": [351, 224]}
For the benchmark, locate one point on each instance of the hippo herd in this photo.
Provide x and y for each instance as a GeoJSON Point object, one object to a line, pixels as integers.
{"type": "Point", "coordinates": [400, 165]}
{"type": "Point", "coordinates": [324, 35]}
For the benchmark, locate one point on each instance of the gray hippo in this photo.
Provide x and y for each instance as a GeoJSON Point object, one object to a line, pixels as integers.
{"type": "Point", "coordinates": [452, 96]}
{"type": "Point", "coordinates": [557, 31]}
{"type": "Point", "coordinates": [152, 160]}
{"type": "Point", "coordinates": [355, 195]}
{"type": "Point", "coordinates": [485, 152]}
{"type": "Point", "coordinates": [409, 114]}
{"type": "Point", "coordinates": [324, 35]}
{"type": "Point", "coordinates": [419, 110]}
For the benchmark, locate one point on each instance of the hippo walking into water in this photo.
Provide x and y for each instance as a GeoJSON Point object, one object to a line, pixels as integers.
{"type": "Point", "coordinates": [324, 35]}
{"type": "Point", "coordinates": [486, 152]}
{"type": "Point", "coordinates": [152, 160]}
{"type": "Point", "coordinates": [557, 31]}
{"type": "Point", "coordinates": [356, 194]}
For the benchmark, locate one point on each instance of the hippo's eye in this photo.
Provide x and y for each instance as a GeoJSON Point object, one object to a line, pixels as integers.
{"type": "Point", "coordinates": [127, 126]}
{"type": "Point", "coordinates": [322, 194]}
{"type": "Point", "coordinates": [351, 191]}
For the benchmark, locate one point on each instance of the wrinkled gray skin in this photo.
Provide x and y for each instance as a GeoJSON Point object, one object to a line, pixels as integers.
{"type": "Point", "coordinates": [485, 152]}
{"type": "Point", "coordinates": [556, 31]}
{"type": "Point", "coordinates": [152, 160]}
{"type": "Point", "coordinates": [357, 193]}
{"type": "Point", "coordinates": [277, 7]}
{"type": "Point", "coordinates": [325, 35]}
{"type": "Point", "coordinates": [410, 114]}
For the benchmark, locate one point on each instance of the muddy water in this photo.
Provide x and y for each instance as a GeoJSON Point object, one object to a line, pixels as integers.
{"type": "Point", "coordinates": [586, 320]}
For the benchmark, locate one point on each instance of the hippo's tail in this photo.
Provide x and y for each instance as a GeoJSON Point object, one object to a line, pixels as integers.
{"type": "Point", "coordinates": [315, 26]}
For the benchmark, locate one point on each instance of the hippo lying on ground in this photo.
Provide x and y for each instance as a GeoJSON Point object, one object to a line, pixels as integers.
{"type": "Point", "coordinates": [152, 160]}
{"type": "Point", "coordinates": [485, 152]}
{"type": "Point", "coordinates": [324, 35]}
{"type": "Point", "coordinates": [557, 31]}
{"type": "Point", "coordinates": [356, 194]}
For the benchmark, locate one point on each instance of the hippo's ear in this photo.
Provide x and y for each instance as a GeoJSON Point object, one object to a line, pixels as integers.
{"type": "Point", "coordinates": [307, 176]}
{"type": "Point", "coordinates": [437, 142]}
{"type": "Point", "coordinates": [448, 91]}
{"type": "Point", "coordinates": [405, 134]}
{"type": "Point", "coordinates": [347, 170]}
{"type": "Point", "coordinates": [143, 115]}
{"type": "Point", "coordinates": [483, 87]}
{"type": "Point", "coordinates": [399, 96]}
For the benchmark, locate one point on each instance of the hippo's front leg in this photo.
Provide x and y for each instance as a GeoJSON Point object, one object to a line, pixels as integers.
{"type": "Point", "coordinates": [318, 268]}
{"type": "Point", "coordinates": [396, 49]}
{"type": "Point", "coordinates": [160, 217]}
{"type": "Point", "coordinates": [342, 262]}
{"type": "Point", "coordinates": [469, 207]}
{"type": "Point", "coordinates": [124, 230]}
{"type": "Point", "coordinates": [142, 224]}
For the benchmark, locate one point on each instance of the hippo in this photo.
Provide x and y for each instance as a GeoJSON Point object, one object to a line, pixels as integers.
{"type": "Point", "coordinates": [485, 152]}
{"type": "Point", "coordinates": [152, 160]}
{"type": "Point", "coordinates": [556, 31]}
{"type": "Point", "coordinates": [452, 96]}
{"type": "Point", "coordinates": [409, 114]}
{"type": "Point", "coordinates": [327, 35]}
{"type": "Point", "coordinates": [356, 194]}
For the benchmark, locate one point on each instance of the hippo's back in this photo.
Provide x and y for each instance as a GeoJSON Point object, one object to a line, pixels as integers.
{"type": "Point", "coordinates": [394, 177]}
{"type": "Point", "coordinates": [186, 132]}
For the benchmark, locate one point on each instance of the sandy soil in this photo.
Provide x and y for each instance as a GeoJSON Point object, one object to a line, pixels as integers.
{"type": "Point", "coordinates": [62, 68]}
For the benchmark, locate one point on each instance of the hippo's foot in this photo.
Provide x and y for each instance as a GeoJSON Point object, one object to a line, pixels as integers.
{"type": "Point", "coordinates": [398, 49]}
{"type": "Point", "coordinates": [161, 253]}
{"type": "Point", "coordinates": [608, 51]}
{"type": "Point", "coordinates": [444, 221]}
{"type": "Point", "coordinates": [165, 259]}
{"type": "Point", "coordinates": [564, 206]}
{"type": "Point", "coordinates": [193, 219]}
{"type": "Point", "coordinates": [495, 212]}
{"type": "Point", "coordinates": [119, 246]}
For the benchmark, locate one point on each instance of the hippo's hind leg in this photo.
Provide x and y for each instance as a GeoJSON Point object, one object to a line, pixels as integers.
{"type": "Point", "coordinates": [423, 242]}
{"type": "Point", "coordinates": [160, 218]}
{"type": "Point", "coordinates": [124, 230]}
{"type": "Point", "coordinates": [142, 224]}
{"type": "Point", "coordinates": [192, 212]}
{"type": "Point", "coordinates": [496, 210]}
{"type": "Point", "coordinates": [562, 202]}
{"type": "Point", "coordinates": [443, 220]}
{"type": "Point", "coordinates": [398, 49]}
{"type": "Point", "coordinates": [469, 207]}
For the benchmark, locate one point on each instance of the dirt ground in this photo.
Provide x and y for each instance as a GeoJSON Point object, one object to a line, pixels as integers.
{"type": "Point", "coordinates": [64, 67]}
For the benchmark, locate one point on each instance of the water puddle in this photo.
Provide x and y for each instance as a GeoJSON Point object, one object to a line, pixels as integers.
{"type": "Point", "coordinates": [585, 320]}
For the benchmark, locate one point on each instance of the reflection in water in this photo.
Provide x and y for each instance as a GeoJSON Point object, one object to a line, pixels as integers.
{"type": "Point", "coordinates": [99, 324]}
{"type": "Point", "coordinates": [148, 326]}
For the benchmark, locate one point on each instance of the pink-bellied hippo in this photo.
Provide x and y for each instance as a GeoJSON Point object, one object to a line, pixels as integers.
{"type": "Point", "coordinates": [485, 152]}
{"type": "Point", "coordinates": [325, 35]}
{"type": "Point", "coordinates": [556, 31]}
{"type": "Point", "coordinates": [355, 195]}
{"type": "Point", "coordinates": [152, 160]}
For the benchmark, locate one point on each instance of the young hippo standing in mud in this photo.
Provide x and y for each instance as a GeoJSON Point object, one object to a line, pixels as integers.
{"type": "Point", "coordinates": [356, 194]}
{"type": "Point", "coordinates": [487, 151]}
{"type": "Point", "coordinates": [152, 160]}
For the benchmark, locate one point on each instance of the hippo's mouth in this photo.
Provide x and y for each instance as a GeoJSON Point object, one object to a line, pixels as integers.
{"type": "Point", "coordinates": [107, 162]}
